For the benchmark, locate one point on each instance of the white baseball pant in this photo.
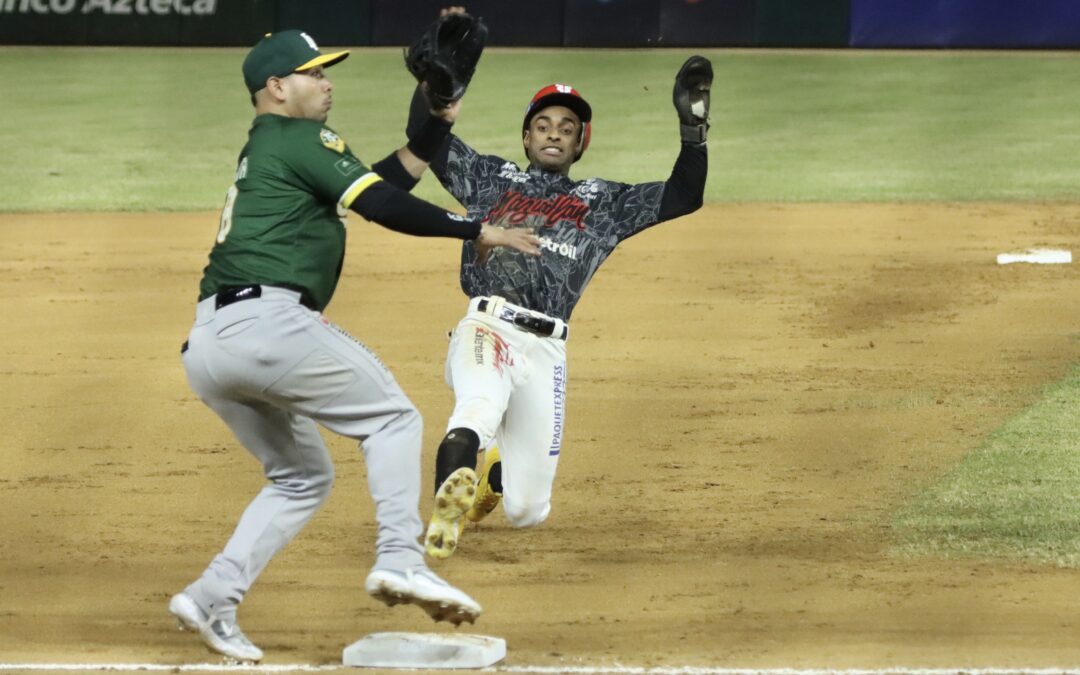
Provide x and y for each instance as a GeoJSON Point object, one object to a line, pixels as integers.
{"type": "Point", "coordinates": [510, 388]}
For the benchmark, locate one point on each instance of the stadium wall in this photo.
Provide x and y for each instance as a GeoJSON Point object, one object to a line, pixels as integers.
{"type": "Point", "coordinates": [565, 23]}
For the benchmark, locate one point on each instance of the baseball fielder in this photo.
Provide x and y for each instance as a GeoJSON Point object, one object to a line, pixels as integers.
{"type": "Point", "coordinates": [263, 357]}
{"type": "Point", "coordinates": [507, 357]}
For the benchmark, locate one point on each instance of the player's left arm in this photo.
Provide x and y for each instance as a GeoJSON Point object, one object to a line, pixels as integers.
{"type": "Point", "coordinates": [638, 207]}
{"type": "Point", "coordinates": [684, 190]}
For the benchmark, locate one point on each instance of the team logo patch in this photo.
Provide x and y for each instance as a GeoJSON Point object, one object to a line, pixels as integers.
{"type": "Point", "coordinates": [347, 165]}
{"type": "Point", "coordinates": [332, 140]}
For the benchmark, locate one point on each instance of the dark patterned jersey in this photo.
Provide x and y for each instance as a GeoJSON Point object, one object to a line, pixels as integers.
{"type": "Point", "coordinates": [579, 224]}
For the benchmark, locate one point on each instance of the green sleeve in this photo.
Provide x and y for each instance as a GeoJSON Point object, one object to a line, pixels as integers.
{"type": "Point", "coordinates": [321, 159]}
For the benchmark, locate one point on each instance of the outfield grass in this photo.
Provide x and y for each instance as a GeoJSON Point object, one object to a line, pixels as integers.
{"type": "Point", "coordinates": [159, 129]}
{"type": "Point", "coordinates": [1015, 497]}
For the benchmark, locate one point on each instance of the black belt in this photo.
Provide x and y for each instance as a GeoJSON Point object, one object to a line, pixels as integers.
{"type": "Point", "coordinates": [541, 325]}
{"type": "Point", "coordinates": [227, 296]}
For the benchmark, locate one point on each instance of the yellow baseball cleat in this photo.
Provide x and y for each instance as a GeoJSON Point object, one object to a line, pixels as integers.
{"type": "Point", "coordinates": [454, 498]}
{"type": "Point", "coordinates": [486, 496]}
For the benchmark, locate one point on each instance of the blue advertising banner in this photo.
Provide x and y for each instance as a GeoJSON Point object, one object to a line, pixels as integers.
{"type": "Point", "coordinates": [965, 23]}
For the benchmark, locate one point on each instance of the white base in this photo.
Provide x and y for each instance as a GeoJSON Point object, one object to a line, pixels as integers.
{"type": "Point", "coordinates": [424, 650]}
{"type": "Point", "coordinates": [1045, 256]}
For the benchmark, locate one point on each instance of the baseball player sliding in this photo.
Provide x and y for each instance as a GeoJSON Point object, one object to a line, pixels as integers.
{"type": "Point", "coordinates": [507, 357]}
{"type": "Point", "coordinates": [263, 357]}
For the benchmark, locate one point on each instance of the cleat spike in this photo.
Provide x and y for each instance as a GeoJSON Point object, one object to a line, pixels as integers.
{"type": "Point", "coordinates": [454, 499]}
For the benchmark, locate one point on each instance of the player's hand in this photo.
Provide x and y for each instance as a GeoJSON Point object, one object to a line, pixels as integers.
{"type": "Point", "coordinates": [449, 113]}
{"type": "Point", "coordinates": [518, 239]}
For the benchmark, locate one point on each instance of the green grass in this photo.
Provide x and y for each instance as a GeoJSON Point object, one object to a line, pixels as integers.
{"type": "Point", "coordinates": [159, 129]}
{"type": "Point", "coordinates": [1015, 497]}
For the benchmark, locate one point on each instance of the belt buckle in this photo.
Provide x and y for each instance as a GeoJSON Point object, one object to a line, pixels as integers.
{"type": "Point", "coordinates": [536, 324]}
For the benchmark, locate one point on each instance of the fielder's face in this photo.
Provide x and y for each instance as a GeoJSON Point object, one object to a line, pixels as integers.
{"type": "Point", "coordinates": [552, 139]}
{"type": "Point", "coordinates": [307, 94]}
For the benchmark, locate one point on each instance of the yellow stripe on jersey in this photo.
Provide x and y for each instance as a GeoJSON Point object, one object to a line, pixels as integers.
{"type": "Point", "coordinates": [359, 185]}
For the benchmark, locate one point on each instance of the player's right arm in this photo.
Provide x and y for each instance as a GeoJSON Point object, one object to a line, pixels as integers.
{"type": "Point", "coordinates": [398, 210]}
{"type": "Point", "coordinates": [429, 133]}
{"type": "Point", "coordinates": [420, 116]}
{"type": "Point", "coordinates": [459, 168]}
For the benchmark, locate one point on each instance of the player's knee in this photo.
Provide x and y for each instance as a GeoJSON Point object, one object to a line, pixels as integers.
{"type": "Point", "coordinates": [523, 515]}
{"type": "Point", "coordinates": [480, 414]}
{"type": "Point", "coordinates": [311, 485]}
{"type": "Point", "coordinates": [322, 484]}
{"type": "Point", "coordinates": [410, 421]}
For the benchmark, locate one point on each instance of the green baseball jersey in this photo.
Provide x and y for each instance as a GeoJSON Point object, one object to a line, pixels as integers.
{"type": "Point", "coordinates": [284, 219]}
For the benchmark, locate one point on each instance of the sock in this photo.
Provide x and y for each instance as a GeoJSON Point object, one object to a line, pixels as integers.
{"type": "Point", "coordinates": [458, 449]}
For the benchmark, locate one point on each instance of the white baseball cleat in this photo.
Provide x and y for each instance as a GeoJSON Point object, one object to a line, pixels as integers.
{"type": "Point", "coordinates": [220, 636]}
{"type": "Point", "coordinates": [420, 586]}
{"type": "Point", "coordinates": [453, 500]}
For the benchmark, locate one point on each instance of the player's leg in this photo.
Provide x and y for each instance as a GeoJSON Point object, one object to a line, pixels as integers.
{"type": "Point", "coordinates": [483, 361]}
{"type": "Point", "coordinates": [359, 398]}
{"type": "Point", "coordinates": [342, 385]}
{"type": "Point", "coordinates": [294, 459]}
{"type": "Point", "coordinates": [531, 439]}
{"type": "Point", "coordinates": [300, 472]}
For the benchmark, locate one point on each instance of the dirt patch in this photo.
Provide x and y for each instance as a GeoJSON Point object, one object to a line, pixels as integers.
{"type": "Point", "coordinates": [753, 390]}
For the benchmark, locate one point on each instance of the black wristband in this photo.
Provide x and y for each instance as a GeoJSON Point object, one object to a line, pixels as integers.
{"type": "Point", "coordinates": [693, 133]}
{"type": "Point", "coordinates": [429, 138]}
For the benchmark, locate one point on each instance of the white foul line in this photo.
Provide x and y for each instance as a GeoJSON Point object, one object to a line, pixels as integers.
{"type": "Point", "coordinates": [537, 670]}
{"type": "Point", "coordinates": [691, 670]}
{"type": "Point", "coordinates": [182, 668]}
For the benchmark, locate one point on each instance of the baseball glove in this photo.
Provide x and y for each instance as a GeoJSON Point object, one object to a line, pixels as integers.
{"type": "Point", "coordinates": [691, 98]}
{"type": "Point", "coordinates": [445, 55]}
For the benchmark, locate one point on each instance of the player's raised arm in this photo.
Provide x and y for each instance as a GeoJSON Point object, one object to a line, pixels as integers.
{"type": "Point", "coordinates": [404, 167]}
{"type": "Point", "coordinates": [684, 191]}
{"type": "Point", "coordinates": [443, 59]}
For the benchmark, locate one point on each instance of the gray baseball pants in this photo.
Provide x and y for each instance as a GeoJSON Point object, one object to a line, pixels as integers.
{"type": "Point", "coordinates": [271, 369]}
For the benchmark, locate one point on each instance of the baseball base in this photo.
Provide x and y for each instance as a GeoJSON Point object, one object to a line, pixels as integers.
{"type": "Point", "coordinates": [1044, 256]}
{"type": "Point", "coordinates": [424, 651]}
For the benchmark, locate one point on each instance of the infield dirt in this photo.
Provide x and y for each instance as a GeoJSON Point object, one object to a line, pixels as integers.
{"type": "Point", "coordinates": [753, 391]}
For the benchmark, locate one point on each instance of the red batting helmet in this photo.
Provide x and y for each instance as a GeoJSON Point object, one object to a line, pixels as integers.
{"type": "Point", "coordinates": [564, 95]}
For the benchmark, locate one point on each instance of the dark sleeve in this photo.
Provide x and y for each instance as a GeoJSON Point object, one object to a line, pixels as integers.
{"type": "Point", "coordinates": [684, 191]}
{"type": "Point", "coordinates": [392, 171]}
{"type": "Point", "coordinates": [398, 210]}
{"type": "Point", "coordinates": [418, 114]}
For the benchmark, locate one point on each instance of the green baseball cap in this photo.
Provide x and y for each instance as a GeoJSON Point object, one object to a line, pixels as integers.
{"type": "Point", "coordinates": [280, 54]}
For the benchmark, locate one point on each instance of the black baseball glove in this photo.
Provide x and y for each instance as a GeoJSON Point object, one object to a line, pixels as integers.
{"type": "Point", "coordinates": [445, 55]}
{"type": "Point", "coordinates": [691, 98]}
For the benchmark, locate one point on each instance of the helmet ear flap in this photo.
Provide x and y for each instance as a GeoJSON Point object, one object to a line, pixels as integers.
{"type": "Point", "coordinates": [583, 142]}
